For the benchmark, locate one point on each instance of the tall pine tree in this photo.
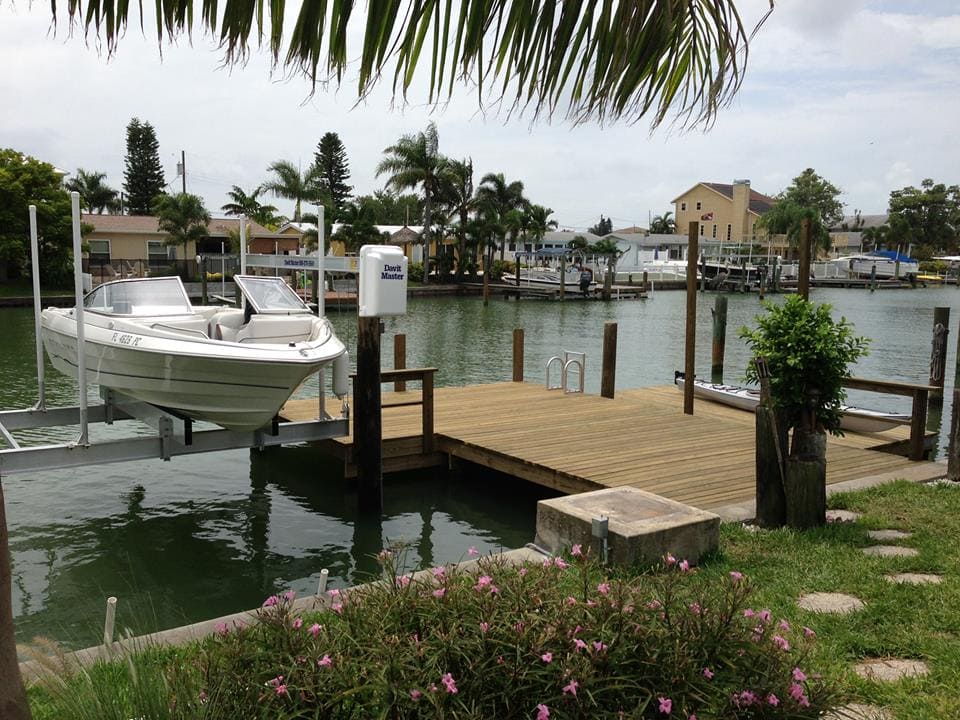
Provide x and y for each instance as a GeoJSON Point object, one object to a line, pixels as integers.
{"type": "Point", "coordinates": [331, 159]}
{"type": "Point", "coordinates": [143, 174]}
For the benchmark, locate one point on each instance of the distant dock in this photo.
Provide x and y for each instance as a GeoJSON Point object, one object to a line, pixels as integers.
{"type": "Point", "coordinates": [575, 443]}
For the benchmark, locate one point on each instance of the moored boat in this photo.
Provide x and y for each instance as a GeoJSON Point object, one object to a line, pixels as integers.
{"type": "Point", "coordinates": [230, 366]}
{"type": "Point", "coordinates": [854, 419]}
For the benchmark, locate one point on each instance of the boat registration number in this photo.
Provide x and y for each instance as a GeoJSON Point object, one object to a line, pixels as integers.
{"type": "Point", "coordinates": [126, 339]}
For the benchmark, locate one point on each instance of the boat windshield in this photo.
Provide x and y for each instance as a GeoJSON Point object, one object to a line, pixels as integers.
{"type": "Point", "coordinates": [270, 295]}
{"type": "Point", "coordinates": [144, 297]}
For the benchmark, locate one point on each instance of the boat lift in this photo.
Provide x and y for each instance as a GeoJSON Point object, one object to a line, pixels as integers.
{"type": "Point", "coordinates": [175, 434]}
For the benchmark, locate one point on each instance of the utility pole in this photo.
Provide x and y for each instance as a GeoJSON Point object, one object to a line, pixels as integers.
{"type": "Point", "coordinates": [183, 171]}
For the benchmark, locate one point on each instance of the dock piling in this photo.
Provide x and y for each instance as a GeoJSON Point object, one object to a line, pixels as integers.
{"type": "Point", "coordinates": [399, 359]}
{"type": "Point", "coordinates": [803, 274]}
{"type": "Point", "coordinates": [563, 276]}
{"type": "Point", "coordinates": [719, 338]}
{"type": "Point", "coordinates": [938, 353]}
{"type": "Point", "coordinates": [367, 419]}
{"type": "Point", "coordinates": [608, 377]}
{"type": "Point", "coordinates": [643, 287]}
{"type": "Point", "coordinates": [109, 621]}
{"type": "Point", "coordinates": [518, 354]}
{"type": "Point", "coordinates": [689, 350]}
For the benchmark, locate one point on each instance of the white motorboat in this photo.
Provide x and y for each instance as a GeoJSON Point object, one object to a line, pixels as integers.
{"type": "Point", "coordinates": [548, 277]}
{"type": "Point", "coordinates": [887, 264]}
{"type": "Point", "coordinates": [854, 419]}
{"type": "Point", "coordinates": [230, 366]}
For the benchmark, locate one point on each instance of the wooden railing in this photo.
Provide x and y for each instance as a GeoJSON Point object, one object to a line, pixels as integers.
{"type": "Point", "coordinates": [425, 377]}
{"type": "Point", "coordinates": [918, 415]}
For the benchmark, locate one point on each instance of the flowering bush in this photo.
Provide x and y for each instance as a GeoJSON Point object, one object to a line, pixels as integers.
{"type": "Point", "coordinates": [559, 640]}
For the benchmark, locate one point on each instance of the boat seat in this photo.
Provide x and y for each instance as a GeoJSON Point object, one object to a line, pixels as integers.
{"type": "Point", "coordinates": [225, 324]}
{"type": "Point", "coordinates": [276, 329]}
{"type": "Point", "coordinates": [194, 327]}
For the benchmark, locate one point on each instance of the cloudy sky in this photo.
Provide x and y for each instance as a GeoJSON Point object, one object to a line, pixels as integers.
{"type": "Point", "coordinates": [865, 92]}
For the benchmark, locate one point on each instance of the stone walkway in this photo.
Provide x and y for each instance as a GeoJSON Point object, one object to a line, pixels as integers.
{"type": "Point", "coordinates": [875, 669]}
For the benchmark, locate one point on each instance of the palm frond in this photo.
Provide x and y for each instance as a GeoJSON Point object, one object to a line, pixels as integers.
{"type": "Point", "coordinates": [590, 59]}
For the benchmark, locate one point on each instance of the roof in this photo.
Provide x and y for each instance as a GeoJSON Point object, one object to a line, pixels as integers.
{"type": "Point", "coordinates": [148, 225]}
{"type": "Point", "coordinates": [759, 203]}
{"type": "Point", "coordinates": [633, 229]}
{"type": "Point", "coordinates": [866, 221]}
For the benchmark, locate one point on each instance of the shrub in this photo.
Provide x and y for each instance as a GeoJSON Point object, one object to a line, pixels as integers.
{"type": "Point", "coordinates": [499, 268]}
{"type": "Point", "coordinates": [559, 640]}
{"type": "Point", "coordinates": [415, 272]}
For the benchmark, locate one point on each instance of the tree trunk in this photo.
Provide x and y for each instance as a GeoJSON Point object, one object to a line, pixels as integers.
{"type": "Point", "coordinates": [770, 498]}
{"type": "Point", "coordinates": [805, 482]}
{"type": "Point", "coordinates": [13, 697]}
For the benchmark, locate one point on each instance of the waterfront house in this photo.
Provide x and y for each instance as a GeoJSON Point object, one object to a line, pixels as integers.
{"type": "Point", "coordinates": [725, 213]}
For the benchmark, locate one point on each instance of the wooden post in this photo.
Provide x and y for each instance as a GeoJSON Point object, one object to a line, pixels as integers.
{"type": "Point", "coordinates": [938, 353]}
{"type": "Point", "coordinates": [203, 280]}
{"type": "Point", "coordinates": [918, 424]}
{"type": "Point", "coordinates": [803, 277]}
{"type": "Point", "coordinates": [873, 277]}
{"type": "Point", "coordinates": [689, 350]}
{"type": "Point", "coordinates": [13, 696]}
{"type": "Point", "coordinates": [643, 288]}
{"type": "Point", "coordinates": [719, 338]}
{"type": "Point", "coordinates": [563, 276]}
{"type": "Point", "coordinates": [805, 481]}
{"type": "Point", "coordinates": [771, 503]}
{"type": "Point", "coordinates": [426, 408]}
{"type": "Point", "coordinates": [607, 281]}
{"type": "Point", "coordinates": [743, 275]}
{"type": "Point", "coordinates": [367, 425]}
{"type": "Point", "coordinates": [953, 449]}
{"type": "Point", "coordinates": [399, 359]}
{"type": "Point", "coordinates": [518, 270]}
{"type": "Point", "coordinates": [777, 271]}
{"type": "Point", "coordinates": [703, 272]}
{"type": "Point", "coordinates": [608, 376]}
{"type": "Point", "coordinates": [486, 277]}
{"type": "Point", "coordinates": [763, 280]}
{"type": "Point", "coordinates": [518, 354]}
{"type": "Point", "coordinates": [315, 288]}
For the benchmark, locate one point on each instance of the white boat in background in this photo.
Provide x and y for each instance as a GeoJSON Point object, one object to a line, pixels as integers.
{"type": "Point", "coordinates": [885, 262]}
{"type": "Point", "coordinates": [230, 366]}
{"type": "Point", "coordinates": [853, 419]}
{"type": "Point", "coordinates": [549, 277]}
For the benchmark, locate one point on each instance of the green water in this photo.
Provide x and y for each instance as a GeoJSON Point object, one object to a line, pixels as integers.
{"type": "Point", "coordinates": [207, 535]}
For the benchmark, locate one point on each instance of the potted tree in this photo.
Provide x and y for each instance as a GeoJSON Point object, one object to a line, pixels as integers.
{"type": "Point", "coordinates": [808, 355]}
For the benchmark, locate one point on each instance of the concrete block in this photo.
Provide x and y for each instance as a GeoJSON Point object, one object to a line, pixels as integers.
{"type": "Point", "coordinates": [643, 527]}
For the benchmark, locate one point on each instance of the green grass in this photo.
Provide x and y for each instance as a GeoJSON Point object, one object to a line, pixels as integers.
{"type": "Point", "coordinates": [903, 621]}
{"type": "Point", "coordinates": [23, 288]}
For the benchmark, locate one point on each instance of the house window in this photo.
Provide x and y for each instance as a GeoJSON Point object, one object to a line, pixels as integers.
{"type": "Point", "coordinates": [714, 231]}
{"type": "Point", "coordinates": [683, 206]}
{"type": "Point", "coordinates": [99, 250]}
{"type": "Point", "coordinates": [156, 250]}
{"type": "Point", "coordinates": [699, 206]}
{"type": "Point", "coordinates": [729, 232]}
{"type": "Point", "coordinates": [702, 228]}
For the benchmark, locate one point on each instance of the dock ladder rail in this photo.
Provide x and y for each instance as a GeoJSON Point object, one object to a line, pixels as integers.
{"type": "Point", "coordinates": [570, 360]}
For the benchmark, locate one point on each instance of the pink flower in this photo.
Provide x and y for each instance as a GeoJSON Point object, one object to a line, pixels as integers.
{"type": "Point", "coordinates": [599, 646]}
{"type": "Point", "coordinates": [576, 550]}
{"type": "Point", "coordinates": [415, 695]}
{"type": "Point", "coordinates": [796, 692]}
{"type": "Point", "coordinates": [765, 616]}
{"type": "Point", "coordinates": [439, 572]}
{"type": "Point", "coordinates": [337, 608]}
{"type": "Point", "coordinates": [781, 642]}
{"type": "Point", "coordinates": [692, 717]}
{"type": "Point", "coordinates": [708, 673]}
{"type": "Point", "coordinates": [571, 600]}
{"type": "Point", "coordinates": [560, 563]}
{"type": "Point", "coordinates": [695, 608]}
{"type": "Point", "coordinates": [518, 627]}
{"type": "Point", "coordinates": [666, 705]}
{"type": "Point", "coordinates": [547, 657]}
{"type": "Point", "coordinates": [325, 661]}
{"type": "Point", "coordinates": [403, 580]}
{"type": "Point", "coordinates": [736, 575]}
{"type": "Point", "coordinates": [603, 588]}
{"type": "Point", "coordinates": [484, 626]}
{"type": "Point", "coordinates": [297, 623]}
{"type": "Point", "coordinates": [278, 680]}
{"type": "Point", "coordinates": [671, 560]}
{"type": "Point", "coordinates": [290, 595]}
{"type": "Point", "coordinates": [315, 629]}
{"type": "Point", "coordinates": [654, 605]}
{"type": "Point", "coordinates": [222, 629]}
{"type": "Point", "coordinates": [482, 582]}
{"type": "Point", "coordinates": [799, 675]}
{"type": "Point", "coordinates": [784, 625]}
{"type": "Point", "coordinates": [579, 644]}
{"type": "Point", "coordinates": [271, 601]}
{"type": "Point", "coordinates": [281, 690]}
{"type": "Point", "coordinates": [684, 566]}
{"type": "Point", "coordinates": [333, 593]}
{"type": "Point", "coordinates": [449, 684]}
{"type": "Point", "coordinates": [773, 700]}
{"type": "Point", "coordinates": [472, 551]}
{"type": "Point", "coordinates": [494, 589]}
{"type": "Point", "coordinates": [543, 712]}
{"type": "Point", "coordinates": [807, 632]}
{"type": "Point", "coordinates": [749, 613]}
{"type": "Point", "coordinates": [439, 592]}
{"type": "Point", "coordinates": [571, 688]}
{"type": "Point", "coordinates": [522, 572]}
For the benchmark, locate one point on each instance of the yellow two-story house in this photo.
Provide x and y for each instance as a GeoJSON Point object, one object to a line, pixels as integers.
{"type": "Point", "coordinates": [724, 212]}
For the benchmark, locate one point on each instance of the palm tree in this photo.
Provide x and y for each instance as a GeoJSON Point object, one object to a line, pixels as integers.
{"type": "Point", "coordinates": [595, 60]}
{"type": "Point", "coordinates": [95, 196]}
{"type": "Point", "coordinates": [183, 217]}
{"type": "Point", "coordinates": [248, 204]}
{"type": "Point", "coordinates": [874, 237]}
{"type": "Point", "coordinates": [500, 197]}
{"type": "Point", "coordinates": [663, 224]}
{"type": "Point", "coordinates": [540, 223]}
{"type": "Point", "coordinates": [288, 182]}
{"type": "Point", "coordinates": [458, 196]}
{"type": "Point", "coordinates": [414, 161]}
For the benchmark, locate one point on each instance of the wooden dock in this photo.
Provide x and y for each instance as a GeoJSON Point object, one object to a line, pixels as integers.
{"type": "Point", "coordinates": [575, 443]}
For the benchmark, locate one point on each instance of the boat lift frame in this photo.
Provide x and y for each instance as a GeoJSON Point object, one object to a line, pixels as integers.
{"type": "Point", "coordinates": [175, 433]}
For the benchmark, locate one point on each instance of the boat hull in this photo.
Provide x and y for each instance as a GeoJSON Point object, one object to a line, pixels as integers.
{"type": "Point", "coordinates": [853, 419]}
{"type": "Point", "coordinates": [235, 386]}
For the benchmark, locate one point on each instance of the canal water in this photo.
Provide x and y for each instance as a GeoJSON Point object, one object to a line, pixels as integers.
{"type": "Point", "coordinates": [207, 535]}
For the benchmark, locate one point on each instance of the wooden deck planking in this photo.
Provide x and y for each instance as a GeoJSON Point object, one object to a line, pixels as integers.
{"type": "Point", "coordinates": [581, 442]}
